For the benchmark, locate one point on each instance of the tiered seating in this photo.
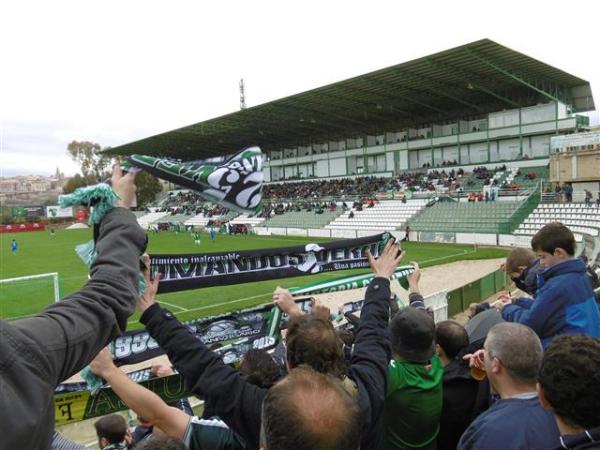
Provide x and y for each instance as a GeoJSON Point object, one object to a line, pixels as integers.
{"type": "Point", "coordinates": [199, 220]}
{"type": "Point", "coordinates": [149, 218]}
{"type": "Point", "coordinates": [481, 217]}
{"type": "Point", "coordinates": [302, 219]}
{"type": "Point", "coordinates": [175, 218]}
{"type": "Point", "coordinates": [541, 173]}
{"type": "Point", "coordinates": [244, 219]}
{"type": "Point", "coordinates": [578, 217]}
{"type": "Point", "coordinates": [387, 215]}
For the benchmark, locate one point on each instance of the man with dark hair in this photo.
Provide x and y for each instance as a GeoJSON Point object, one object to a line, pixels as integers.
{"type": "Point", "coordinates": [413, 402]}
{"type": "Point", "coordinates": [161, 443]}
{"type": "Point", "coordinates": [39, 352]}
{"type": "Point", "coordinates": [260, 368]}
{"type": "Point", "coordinates": [565, 302]}
{"type": "Point", "coordinates": [511, 357]}
{"type": "Point", "coordinates": [459, 387]}
{"type": "Point", "coordinates": [569, 386]}
{"type": "Point", "coordinates": [111, 431]}
{"type": "Point", "coordinates": [311, 410]}
{"type": "Point", "coordinates": [238, 403]}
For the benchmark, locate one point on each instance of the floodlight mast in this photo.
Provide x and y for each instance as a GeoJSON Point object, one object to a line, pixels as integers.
{"type": "Point", "coordinates": [242, 95]}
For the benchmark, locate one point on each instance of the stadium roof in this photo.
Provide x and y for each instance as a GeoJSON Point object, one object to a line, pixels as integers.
{"type": "Point", "coordinates": [463, 82]}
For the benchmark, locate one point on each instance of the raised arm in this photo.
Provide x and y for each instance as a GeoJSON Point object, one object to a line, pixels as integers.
{"type": "Point", "coordinates": [142, 401]}
{"type": "Point", "coordinates": [234, 400]}
{"type": "Point", "coordinates": [65, 336]}
{"type": "Point", "coordinates": [371, 353]}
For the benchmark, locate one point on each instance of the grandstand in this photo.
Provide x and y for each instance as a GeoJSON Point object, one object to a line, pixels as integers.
{"type": "Point", "coordinates": [384, 216]}
{"type": "Point", "coordinates": [479, 217]}
{"type": "Point", "coordinates": [405, 146]}
{"type": "Point", "coordinates": [578, 217]}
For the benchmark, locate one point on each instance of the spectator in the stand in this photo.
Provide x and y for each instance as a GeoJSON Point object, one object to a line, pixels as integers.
{"type": "Point", "coordinates": [565, 301]}
{"type": "Point", "coordinates": [112, 431]}
{"type": "Point", "coordinates": [598, 200]}
{"type": "Point", "coordinates": [39, 352]}
{"type": "Point", "coordinates": [351, 215]}
{"type": "Point", "coordinates": [459, 387]}
{"type": "Point", "coordinates": [569, 386]}
{"type": "Point", "coordinates": [311, 341]}
{"type": "Point", "coordinates": [568, 190]}
{"type": "Point", "coordinates": [413, 402]}
{"type": "Point", "coordinates": [522, 266]}
{"type": "Point", "coordinates": [511, 358]}
{"type": "Point", "coordinates": [588, 197]}
{"type": "Point", "coordinates": [308, 409]}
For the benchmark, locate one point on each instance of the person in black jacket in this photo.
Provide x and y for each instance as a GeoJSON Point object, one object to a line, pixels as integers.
{"type": "Point", "coordinates": [459, 387]}
{"type": "Point", "coordinates": [238, 403]}
{"type": "Point", "coordinates": [39, 352]}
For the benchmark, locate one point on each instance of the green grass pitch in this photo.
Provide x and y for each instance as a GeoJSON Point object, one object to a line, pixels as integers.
{"type": "Point", "coordinates": [41, 253]}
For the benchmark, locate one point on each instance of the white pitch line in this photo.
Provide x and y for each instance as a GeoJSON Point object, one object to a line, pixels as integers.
{"type": "Point", "coordinates": [464, 252]}
{"type": "Point", "coordinates": [172, 305]}
{"type": "Point", "coordinates": [215, 304]}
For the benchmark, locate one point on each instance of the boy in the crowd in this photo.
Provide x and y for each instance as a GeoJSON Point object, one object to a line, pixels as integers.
{"type": "Point", "coordinates": [565, 302]}
{"type": "Point", "coordinates": [569, 386]}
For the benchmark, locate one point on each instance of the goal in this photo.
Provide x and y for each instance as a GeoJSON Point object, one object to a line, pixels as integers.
{"type": "Point", "coordinates": [25, 296]}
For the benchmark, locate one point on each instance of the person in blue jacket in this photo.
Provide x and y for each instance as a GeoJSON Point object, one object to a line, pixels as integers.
{"type": "Point", "coordinates": [565, 301]}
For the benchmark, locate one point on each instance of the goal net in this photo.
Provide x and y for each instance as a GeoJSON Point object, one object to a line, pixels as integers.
{"type": "Point", "coordinates": [25, 296]}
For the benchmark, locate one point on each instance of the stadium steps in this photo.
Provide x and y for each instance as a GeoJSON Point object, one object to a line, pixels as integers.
{"type": "Point", "coordinates": [489, 217]}
{"type": "Point", "coordinates": [302, 219]}
{"type": "Point", "coordinates": [149, 218]}
{"type": "Point", "coordinates": [174, 218]}
{"type": "Point", "coordinates": [385, 216]}
{"type": "Point", "coordinates": [199, 220]}
{"type": "Point", "coordinates": [245, 219]}
{"type": "Point", "coordinates": [578, 217]}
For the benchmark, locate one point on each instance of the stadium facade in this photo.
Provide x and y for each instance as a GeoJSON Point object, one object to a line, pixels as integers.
{"type": "Point", "coordinates": [477, 104]}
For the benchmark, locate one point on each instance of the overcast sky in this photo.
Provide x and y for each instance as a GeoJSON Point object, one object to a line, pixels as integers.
{"type": "Point", "coordinates": [116, 71]}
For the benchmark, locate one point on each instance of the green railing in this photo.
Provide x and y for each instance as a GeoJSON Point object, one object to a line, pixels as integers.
{"type": "Point", "coordinates": [522, 212]}
{"type": "Point", "coordinates": [475, 292]}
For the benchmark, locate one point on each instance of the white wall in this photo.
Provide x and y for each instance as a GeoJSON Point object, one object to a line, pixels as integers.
{"type": "Point", "coordinates": [337, 166]}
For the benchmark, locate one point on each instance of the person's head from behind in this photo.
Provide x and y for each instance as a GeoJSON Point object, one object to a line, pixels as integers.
{"type": "Point", "coordinates": [553, 244]}
{"type": "Point", "coordinates": [312, 340]}
{"type": "Point", "coordinates": [161, 443]}
{"type": "Point", "coordinates": [310, 410]}
{"type": "Point", "coordinates": [569, 382]}
{"type": "Point", "coordinates": [517, 261]}
{"type": "Point", "coordinates": [450, 338]}
{"type": "Point", "coordinates": [110, 429]}
{"type": "Point", "coordinates": [513, 354]}
{"type": "Point", "coordinates": [412, 334]}
{"type": "Point", "coordinates": [259, 368]}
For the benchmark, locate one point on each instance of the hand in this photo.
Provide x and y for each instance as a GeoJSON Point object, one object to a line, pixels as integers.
{"type": "Point", "coordinates": [414, 278]}
{"type": "Point", "coordinates": [146, 300]}
{"type": "Point", "coordinates": [319, 310]}
{"type": "Point", "coordinates": [284, 300]}
{"type": "Point", "coordinates": [386, 264]}
{"type": "Point", "coordinates": [123, 187]}
{"type": "Point", "coordinates": [102, 363]}
{"type": "Point", "coordinates": [476, 359]}
{"type": "Point", "coordinates": [161, 371]}
{"type": "Point", "coordinates": [501, 303]}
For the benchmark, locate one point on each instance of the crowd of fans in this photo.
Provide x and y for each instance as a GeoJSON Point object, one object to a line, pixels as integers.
{"type": "Point", "coordinates": [523, 373]}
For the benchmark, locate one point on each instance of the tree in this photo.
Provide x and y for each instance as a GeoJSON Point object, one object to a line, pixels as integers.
{"type": "Point", "coordinates": [147, 188]}
{"type": "Point", "coordinates": [75, 182]}
{"type": "Point", "coordinates": [91, 159]}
